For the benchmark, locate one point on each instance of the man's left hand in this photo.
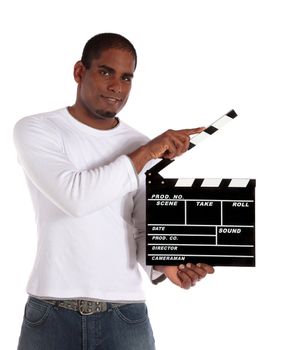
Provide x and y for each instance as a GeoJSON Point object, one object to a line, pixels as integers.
{"type": "Point", "coordinates": [185, 276]}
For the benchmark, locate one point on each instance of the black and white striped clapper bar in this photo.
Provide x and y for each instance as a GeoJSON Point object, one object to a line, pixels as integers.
{"type": "Point", "coordinates": [200, 220]}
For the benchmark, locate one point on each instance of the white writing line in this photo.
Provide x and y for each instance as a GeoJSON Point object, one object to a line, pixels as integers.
{"type": "Point", "coordinates": [205, 255]}
{"type": "Point", "coordinates": [200, 200]}
{"type": "Point", "coordinates": [198, 225]}
{"type": "Point", "coordinates": [203, 245]}
{"type": "Point", "coordinates": [179, 234]}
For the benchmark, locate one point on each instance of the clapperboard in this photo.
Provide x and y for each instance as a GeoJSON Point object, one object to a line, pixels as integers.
{"type": "Point", "coordinates": [200, 220]}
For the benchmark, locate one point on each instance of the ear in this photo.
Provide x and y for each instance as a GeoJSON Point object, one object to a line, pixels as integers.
{"type": "Point", "coordinates": [78, 72]}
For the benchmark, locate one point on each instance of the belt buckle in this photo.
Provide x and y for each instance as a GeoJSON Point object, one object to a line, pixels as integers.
{"type": "Point", "coordinates": [86, 307]}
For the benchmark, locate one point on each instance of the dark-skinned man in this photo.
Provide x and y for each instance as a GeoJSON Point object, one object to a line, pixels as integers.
{"type": "Point", "coordinates": [85, 172]}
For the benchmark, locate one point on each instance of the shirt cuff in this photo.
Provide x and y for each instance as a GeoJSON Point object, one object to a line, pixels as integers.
{"type": "Point", "coordinates": [156, 276]}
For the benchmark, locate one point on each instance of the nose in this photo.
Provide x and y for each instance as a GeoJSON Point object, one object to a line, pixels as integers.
{"type": "Point", "coordinates": [115, 86]}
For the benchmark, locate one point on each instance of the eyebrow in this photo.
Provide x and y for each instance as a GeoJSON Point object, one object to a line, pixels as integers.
{"type": "Point", "coordinates": [111, 70]}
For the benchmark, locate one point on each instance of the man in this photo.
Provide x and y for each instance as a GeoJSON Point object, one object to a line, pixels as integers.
{"type": "Point", "coordinates": [85, 171]}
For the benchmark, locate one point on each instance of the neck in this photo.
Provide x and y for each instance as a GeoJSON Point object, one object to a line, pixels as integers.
{"type": "Point", "coordinates": [93, 122]}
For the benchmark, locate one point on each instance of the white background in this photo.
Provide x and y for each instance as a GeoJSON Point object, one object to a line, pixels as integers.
{"type": "Point", "coordinates": [196, 61]}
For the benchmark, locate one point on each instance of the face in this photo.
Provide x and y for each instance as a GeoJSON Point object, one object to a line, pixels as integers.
{"type": "Point", "coordinates": [103, 89]}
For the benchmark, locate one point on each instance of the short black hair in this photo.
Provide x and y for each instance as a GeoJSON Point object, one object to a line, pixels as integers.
{"type": "Point", "coordinates": [104, 41]}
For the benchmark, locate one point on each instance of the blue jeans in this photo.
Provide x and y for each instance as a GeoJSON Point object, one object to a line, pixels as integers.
{"type": "Point", "coordinates": [48, 327]}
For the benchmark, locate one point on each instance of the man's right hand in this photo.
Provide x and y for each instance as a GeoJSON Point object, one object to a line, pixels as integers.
{"type": "Point", "coordinates": [170, 144]}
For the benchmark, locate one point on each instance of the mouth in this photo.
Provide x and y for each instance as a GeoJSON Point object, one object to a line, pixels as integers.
{"type": "Point", "coordinates": [111, 99]}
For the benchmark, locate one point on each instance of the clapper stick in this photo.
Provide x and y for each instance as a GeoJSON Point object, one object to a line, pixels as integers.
{"type": "Point", "coordinates": [195, 140]}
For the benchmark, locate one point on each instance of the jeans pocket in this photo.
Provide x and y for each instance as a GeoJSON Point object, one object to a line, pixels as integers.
{"type": "Point", "coordinates": [132, 313]}
{"type": "Point", "coordinates": [36, 312]}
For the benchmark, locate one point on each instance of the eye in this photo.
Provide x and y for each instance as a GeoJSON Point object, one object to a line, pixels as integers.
{"type": "Point", "coordinates": [105, 73]}
{"type": "Point", "coordinates": [127, 78]}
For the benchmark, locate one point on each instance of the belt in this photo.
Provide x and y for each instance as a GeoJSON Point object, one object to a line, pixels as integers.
{"type": "Point", "coordinates": [84, 307]}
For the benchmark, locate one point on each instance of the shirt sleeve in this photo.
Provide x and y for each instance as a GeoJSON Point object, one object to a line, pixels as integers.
{"type": "Point", "coordinates": [139, 218]}
{"type": "Point", "coordinates": [78, 193]}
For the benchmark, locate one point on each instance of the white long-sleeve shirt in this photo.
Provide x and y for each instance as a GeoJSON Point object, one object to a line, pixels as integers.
{"type": "Point", "coordinates": [89, 206]}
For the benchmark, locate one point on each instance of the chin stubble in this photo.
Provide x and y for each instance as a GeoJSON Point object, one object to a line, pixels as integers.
{"type": "Point", "coordinates": [105, 114]}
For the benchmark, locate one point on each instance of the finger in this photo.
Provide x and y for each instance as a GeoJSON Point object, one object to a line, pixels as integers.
{"type": "Point", "coordinates": [160, 148]}
{"type": "Point", "coordinates": [181, 143]}
{"type": "Point", "coordinates": [186, 282]}
{"type": "Point", "coordinates": [181, 139]}
{"type": "Point", "coordinates": [194, 276]}
{"type": "Point", "coordinates": [171, 151]}
{"type": "Point", "coordinates": [193, 131]}
{"type": "Point", "coordinates": [197, 269]}
{"type": "Point", "coordinates": [207, 268]}
{"type": "Point", "coordinates": [176, 145]}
